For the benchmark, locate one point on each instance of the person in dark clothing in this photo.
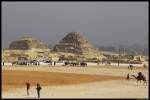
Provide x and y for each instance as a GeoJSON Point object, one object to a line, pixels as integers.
{"type": "Point", "coordinates": [28, 87]}
{"type": "Point", "coordinates": [118, 62]}
{"type": "Point", "coordinates": [54, 63]}
{"type": "Point", "coordinates": [144, 66]}
{"type": "Point", "coordinates": [128, 76]}
{"type": "Point", "coordinates": [38, 89]}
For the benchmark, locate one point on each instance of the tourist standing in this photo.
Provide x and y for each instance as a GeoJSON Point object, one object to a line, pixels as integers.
{"type": "Point", "coordinates": [54, 63]}
{"type": "Point", "coordinates": [118, 62]}
{"type": "Point", "coordinates": [144, 66]}
{"type": "Point", "coordinates": [128, 76]}
{"type": "Point", "coordinates": [38, 89]}
{"type": "Point", "coordinates": [28, 87]}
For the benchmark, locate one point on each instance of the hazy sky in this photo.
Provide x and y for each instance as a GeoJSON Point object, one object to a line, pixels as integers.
{"type": "Point", "coordinates": [102, 23]}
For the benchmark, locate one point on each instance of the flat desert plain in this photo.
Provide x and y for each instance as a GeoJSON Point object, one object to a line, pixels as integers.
{"type": "Point", "coordinates": [73, 82]}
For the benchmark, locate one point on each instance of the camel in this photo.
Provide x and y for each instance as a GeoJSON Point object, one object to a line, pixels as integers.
{"type": "Point", "coordinates": [140, 78]}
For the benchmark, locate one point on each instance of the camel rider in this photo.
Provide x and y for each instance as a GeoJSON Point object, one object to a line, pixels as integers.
{"type": "Point", "coordinates": [140, 74]}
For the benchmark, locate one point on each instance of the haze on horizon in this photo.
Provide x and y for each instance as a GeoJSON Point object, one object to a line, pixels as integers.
{"type": "Point", "coordinates": [102, 23]}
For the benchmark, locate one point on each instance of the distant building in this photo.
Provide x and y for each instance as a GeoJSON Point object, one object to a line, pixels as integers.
{"type": "Point", "coordinates": [22, 61]}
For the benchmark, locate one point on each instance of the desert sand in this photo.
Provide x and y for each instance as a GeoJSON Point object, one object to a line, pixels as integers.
{"type": "Point", "coordinates": [73, 82]}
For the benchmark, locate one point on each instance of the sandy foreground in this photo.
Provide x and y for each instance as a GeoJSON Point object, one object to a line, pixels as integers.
{"type": "Point", "coordinates": [86, 82]}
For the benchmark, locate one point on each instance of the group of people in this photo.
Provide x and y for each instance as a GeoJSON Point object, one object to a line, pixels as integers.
{"type": "Point", "coordinates": [38, 88]}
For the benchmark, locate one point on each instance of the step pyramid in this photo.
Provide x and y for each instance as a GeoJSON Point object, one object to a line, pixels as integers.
{"type": "Point", "coordinates": [75, 43]}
